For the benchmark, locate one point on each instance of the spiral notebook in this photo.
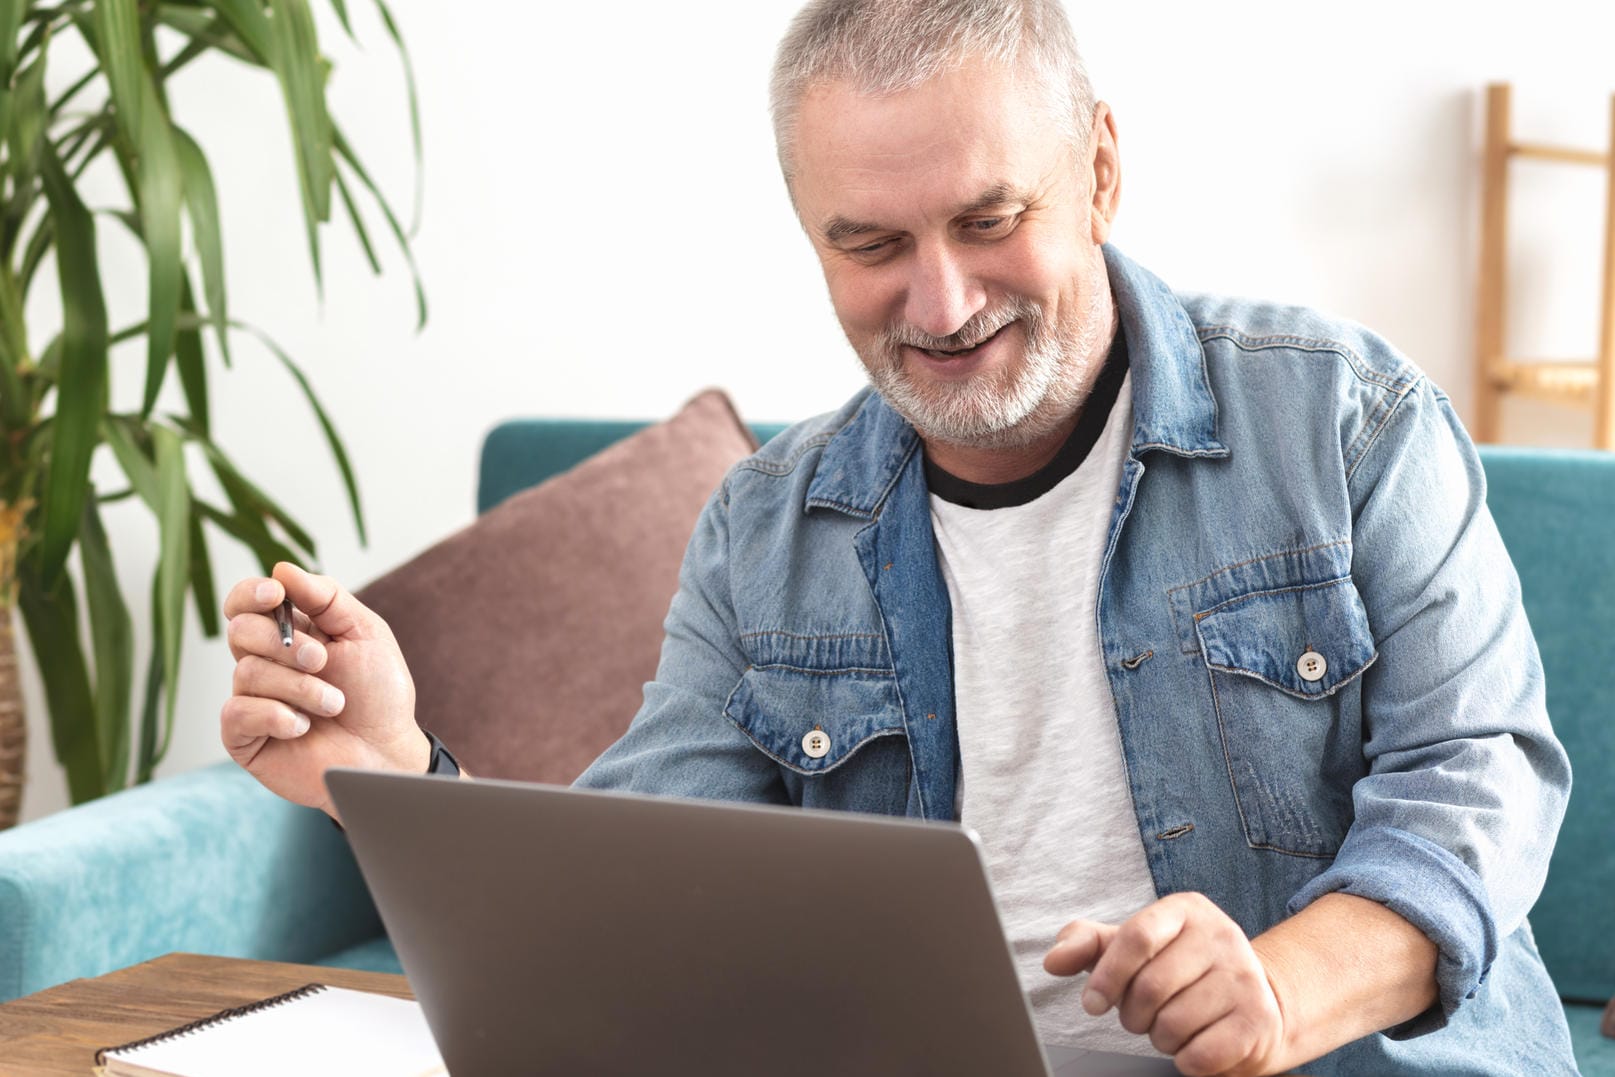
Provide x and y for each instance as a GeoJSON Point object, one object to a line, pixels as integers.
{"type": "Point", "coordinates": [313, 1031]}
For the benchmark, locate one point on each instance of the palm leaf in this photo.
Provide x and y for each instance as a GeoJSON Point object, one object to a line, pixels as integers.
{"type": "Point", "coordinates": [112, 641]}
{"type": "Point", "coordinates": [161, 192]}
{"type": "Point", "coordinates": [341, 9]}
{"type": "Point", "coordinates": [25, 130]}
{"type": "Point", "coordinates": [20, 138]}
{"type": "Point", "coordinates": [11, 13]}
{"type": "Point", "coordinates": [207, 32]}
{"type": "Point", "coordinates": [201, 199]}
{"type": "Point", "coordinates": [250, 23]}
{"type": "Point", "coordinates": [296, 58]}
{"type": "Point", "coordinates": [14, 408]}
{"type": "Point", "coordinates": [345, 151]}
{"type": "Point", "coordinates": [249, 530]}
{"type": "Point", "coordinates": [81, 398]}
{"type": "Point", "coordinates": [123, 437]}
{"type": "Point", "coordinates": [73, 91]}
{"type": "Point", "coordinates": [358, 224]}
{"type": "Point", "coordinates": [207, 602]}
{"type": "Point", "coordinates": [414, 113]}
{"type": "Point", "coordinates": [188, 357]}
{"type": "Point", "coordinates": [247, 498]}
{"type": "Point", "coordinates": [173, 562]}
{"type": "Point", "coordinates": [332, 439]}
{"type": "Point", "coordinates": [117, 42]}
{"type": "Point", "coordinates": [148, 755]}
{"type": "Point", "coordinates": [51, 616]}
{"type": "Point", "coordinates": [40, 242]}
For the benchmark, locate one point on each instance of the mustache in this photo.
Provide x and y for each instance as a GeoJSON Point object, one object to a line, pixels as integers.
{"type": "Point", "coordinates": [980, 327]}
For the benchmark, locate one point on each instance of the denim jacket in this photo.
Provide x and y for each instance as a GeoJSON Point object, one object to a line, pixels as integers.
{"type": "Point", "coordinates": [1294, 487]}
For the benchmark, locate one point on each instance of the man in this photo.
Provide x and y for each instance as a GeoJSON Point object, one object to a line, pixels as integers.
{"type": "Point", "coordinates": [1191, 607]}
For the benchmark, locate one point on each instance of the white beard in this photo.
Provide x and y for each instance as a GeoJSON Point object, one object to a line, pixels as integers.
{"type": "Point", "coordinates": [1011, 408]}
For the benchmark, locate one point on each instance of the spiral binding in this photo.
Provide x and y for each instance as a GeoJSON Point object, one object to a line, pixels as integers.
{"type": "Point", "coordinates": [205, 1023]}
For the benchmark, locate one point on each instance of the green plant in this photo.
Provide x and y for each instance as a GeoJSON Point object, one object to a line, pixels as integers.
{"type": "Point", "coordinates": [55, 410]}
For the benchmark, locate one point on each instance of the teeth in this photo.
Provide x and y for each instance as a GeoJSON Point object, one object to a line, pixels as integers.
{"type": "Point", "coordinates": [962, 351]}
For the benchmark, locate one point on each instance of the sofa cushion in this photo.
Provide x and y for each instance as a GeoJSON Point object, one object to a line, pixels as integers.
{"type": "Point", "coordinates": [531, 633]}
{"type": "Point", "coordinates": [1554, 509]}
{"type": "Point", "coordinates": [375, 955]}
{"type": "Point", "coordinates": [1595, 1053]}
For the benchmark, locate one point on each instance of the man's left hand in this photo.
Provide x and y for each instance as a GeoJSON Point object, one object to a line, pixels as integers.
{"type": "Point", "coordinates": [1183, 972]}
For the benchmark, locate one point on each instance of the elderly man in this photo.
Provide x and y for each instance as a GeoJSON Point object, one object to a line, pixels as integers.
{"type": "Point", "coordinates": [1191, 607]}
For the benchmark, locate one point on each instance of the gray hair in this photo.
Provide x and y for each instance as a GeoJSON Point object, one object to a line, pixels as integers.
{"type": "Point", "coordinates": [887, 46]}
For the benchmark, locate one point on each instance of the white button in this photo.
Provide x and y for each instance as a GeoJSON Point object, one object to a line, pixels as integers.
{"type": "Point", "coordinates": [816, 744]}
{"type": "Point", "coordinates": [1312, 666]}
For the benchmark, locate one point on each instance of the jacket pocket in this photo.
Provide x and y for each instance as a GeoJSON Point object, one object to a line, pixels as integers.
{"type": "Point", "coordinates": [814, 721]}
{"type": "Point", "coordinates": [1285, 666]}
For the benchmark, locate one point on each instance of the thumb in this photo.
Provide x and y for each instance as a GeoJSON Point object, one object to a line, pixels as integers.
{"type": "Point", "coordinates": [1078, 948]}
{"type": "Point", "coordinates": [332, 608]}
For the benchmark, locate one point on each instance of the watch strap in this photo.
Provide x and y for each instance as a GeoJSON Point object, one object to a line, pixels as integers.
{"type": "Point", "coordinates": [442, 761]}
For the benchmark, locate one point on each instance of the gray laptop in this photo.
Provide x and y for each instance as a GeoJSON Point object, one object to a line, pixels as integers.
{"type": "Point", "coordinates": [548, 930]}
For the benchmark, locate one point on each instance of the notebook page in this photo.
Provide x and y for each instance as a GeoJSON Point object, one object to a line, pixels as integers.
{"type": "Point", "coordinates": [330, 1033]}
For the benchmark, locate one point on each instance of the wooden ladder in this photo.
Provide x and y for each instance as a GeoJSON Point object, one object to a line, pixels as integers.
{"type": "Point", "coordinates": [1584, 383]}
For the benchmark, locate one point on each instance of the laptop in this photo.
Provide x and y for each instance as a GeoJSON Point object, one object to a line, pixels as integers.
{"type": "Point", "coordinates": [564, 931]}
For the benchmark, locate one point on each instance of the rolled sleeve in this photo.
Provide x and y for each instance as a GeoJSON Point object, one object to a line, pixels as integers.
{"type": "Point", "coordinates": [1431, 889]}
{"type": "Point", "coordinates": [1455, 819]}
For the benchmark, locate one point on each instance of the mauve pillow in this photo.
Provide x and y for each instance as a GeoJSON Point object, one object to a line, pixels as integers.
{"type": "Point", "coordinates": [531, 633]}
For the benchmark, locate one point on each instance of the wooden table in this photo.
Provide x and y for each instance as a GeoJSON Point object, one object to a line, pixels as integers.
{"type": "Point", "coordinates": [57, 1031]}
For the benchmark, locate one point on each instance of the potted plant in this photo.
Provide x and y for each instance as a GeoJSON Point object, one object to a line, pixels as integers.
{"type": "Point", "coordinates": [55, 410]}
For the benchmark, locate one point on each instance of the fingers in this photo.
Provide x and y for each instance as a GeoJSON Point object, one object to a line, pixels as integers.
{"type": "Point", "coordinates": [1171, 972]}
{"type": "Point", "coordinates": [245, 721]}
{"type": "Point", "coordinates": [255, 594]}
{"type": "Point", "coordinates": [333, 610]}
{"type": "Point", "coordinates": [1182, 971]}
{"type": "Point", "coordinates": [262, 678]}
{"type": "Point", "coordinates": [1195, 1014]}
{"type": "Point", "coordinates": [1079, 944]}
{"type": "Point", "coordinates": [1229, 1048]}
{"type": "Point", "coordinates": [257, 634]}
{"type": "Point", "coordinates": [1137, 942]}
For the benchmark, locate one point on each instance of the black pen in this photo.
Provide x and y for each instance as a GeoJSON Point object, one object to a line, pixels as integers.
{"type": "Point", "coordinates": [283, 618]}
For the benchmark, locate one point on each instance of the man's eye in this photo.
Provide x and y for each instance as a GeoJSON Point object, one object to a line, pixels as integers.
{"type": "Point", "coordinates": [875, 251]}
{"type": "Point", "coordinates": [988, 226]}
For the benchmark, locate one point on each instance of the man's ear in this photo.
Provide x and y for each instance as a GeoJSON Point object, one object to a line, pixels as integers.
{"type": "Point", "coordinates": [1104, 172]}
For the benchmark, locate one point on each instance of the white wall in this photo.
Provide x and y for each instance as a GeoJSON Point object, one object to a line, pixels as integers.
{"type": "Point", "coordinates": [605, 233]}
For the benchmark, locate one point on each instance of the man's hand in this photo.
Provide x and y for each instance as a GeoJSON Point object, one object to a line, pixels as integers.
{"type": "Point", "coordinates": [339, 696]}
{"type": "Point", "coordinates": [1183, 972]}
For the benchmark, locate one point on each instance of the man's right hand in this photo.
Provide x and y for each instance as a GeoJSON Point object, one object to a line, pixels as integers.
{"type": "Point", "coordinates": [339, 696]}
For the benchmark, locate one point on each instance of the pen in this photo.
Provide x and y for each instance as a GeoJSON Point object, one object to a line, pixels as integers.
{"type": "Point", "coordinates": [283, 618]}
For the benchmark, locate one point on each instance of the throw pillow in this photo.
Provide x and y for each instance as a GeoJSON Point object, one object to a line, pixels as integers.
{"type": "Point", "coordinates": [531, 633]}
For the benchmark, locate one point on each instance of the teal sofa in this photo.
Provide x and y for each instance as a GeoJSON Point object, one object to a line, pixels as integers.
{"type": "Point", "coordinates": [209, 862]}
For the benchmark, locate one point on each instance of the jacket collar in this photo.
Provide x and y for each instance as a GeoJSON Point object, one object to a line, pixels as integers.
{"type": "Point", "coordinates": [1173, 407]}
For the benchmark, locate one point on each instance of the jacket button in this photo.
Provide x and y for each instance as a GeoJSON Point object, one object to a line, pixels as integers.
{"type": "Point", "coordinates": [1312, 666]}
{"type": "Point", "coordinates": [816, 744]}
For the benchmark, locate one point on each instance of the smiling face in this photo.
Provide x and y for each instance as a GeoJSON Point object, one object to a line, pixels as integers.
{"type": "Point", "coordinates": [960, 236]}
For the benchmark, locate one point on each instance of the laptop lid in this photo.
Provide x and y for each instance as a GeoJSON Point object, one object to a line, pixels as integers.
{"type": "Point", "coordinates": [555, 930]}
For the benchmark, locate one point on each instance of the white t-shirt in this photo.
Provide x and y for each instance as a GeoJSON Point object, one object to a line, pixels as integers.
{"type": "Point", "coordinates": [1044, 782]}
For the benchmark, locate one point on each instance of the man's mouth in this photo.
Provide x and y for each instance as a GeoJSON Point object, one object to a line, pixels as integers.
{"type": "Point", "coordinates": [955, 353]}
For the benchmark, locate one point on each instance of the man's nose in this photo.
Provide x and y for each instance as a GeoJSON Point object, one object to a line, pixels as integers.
{"type": "Point", "coordinates": [942, 293]}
